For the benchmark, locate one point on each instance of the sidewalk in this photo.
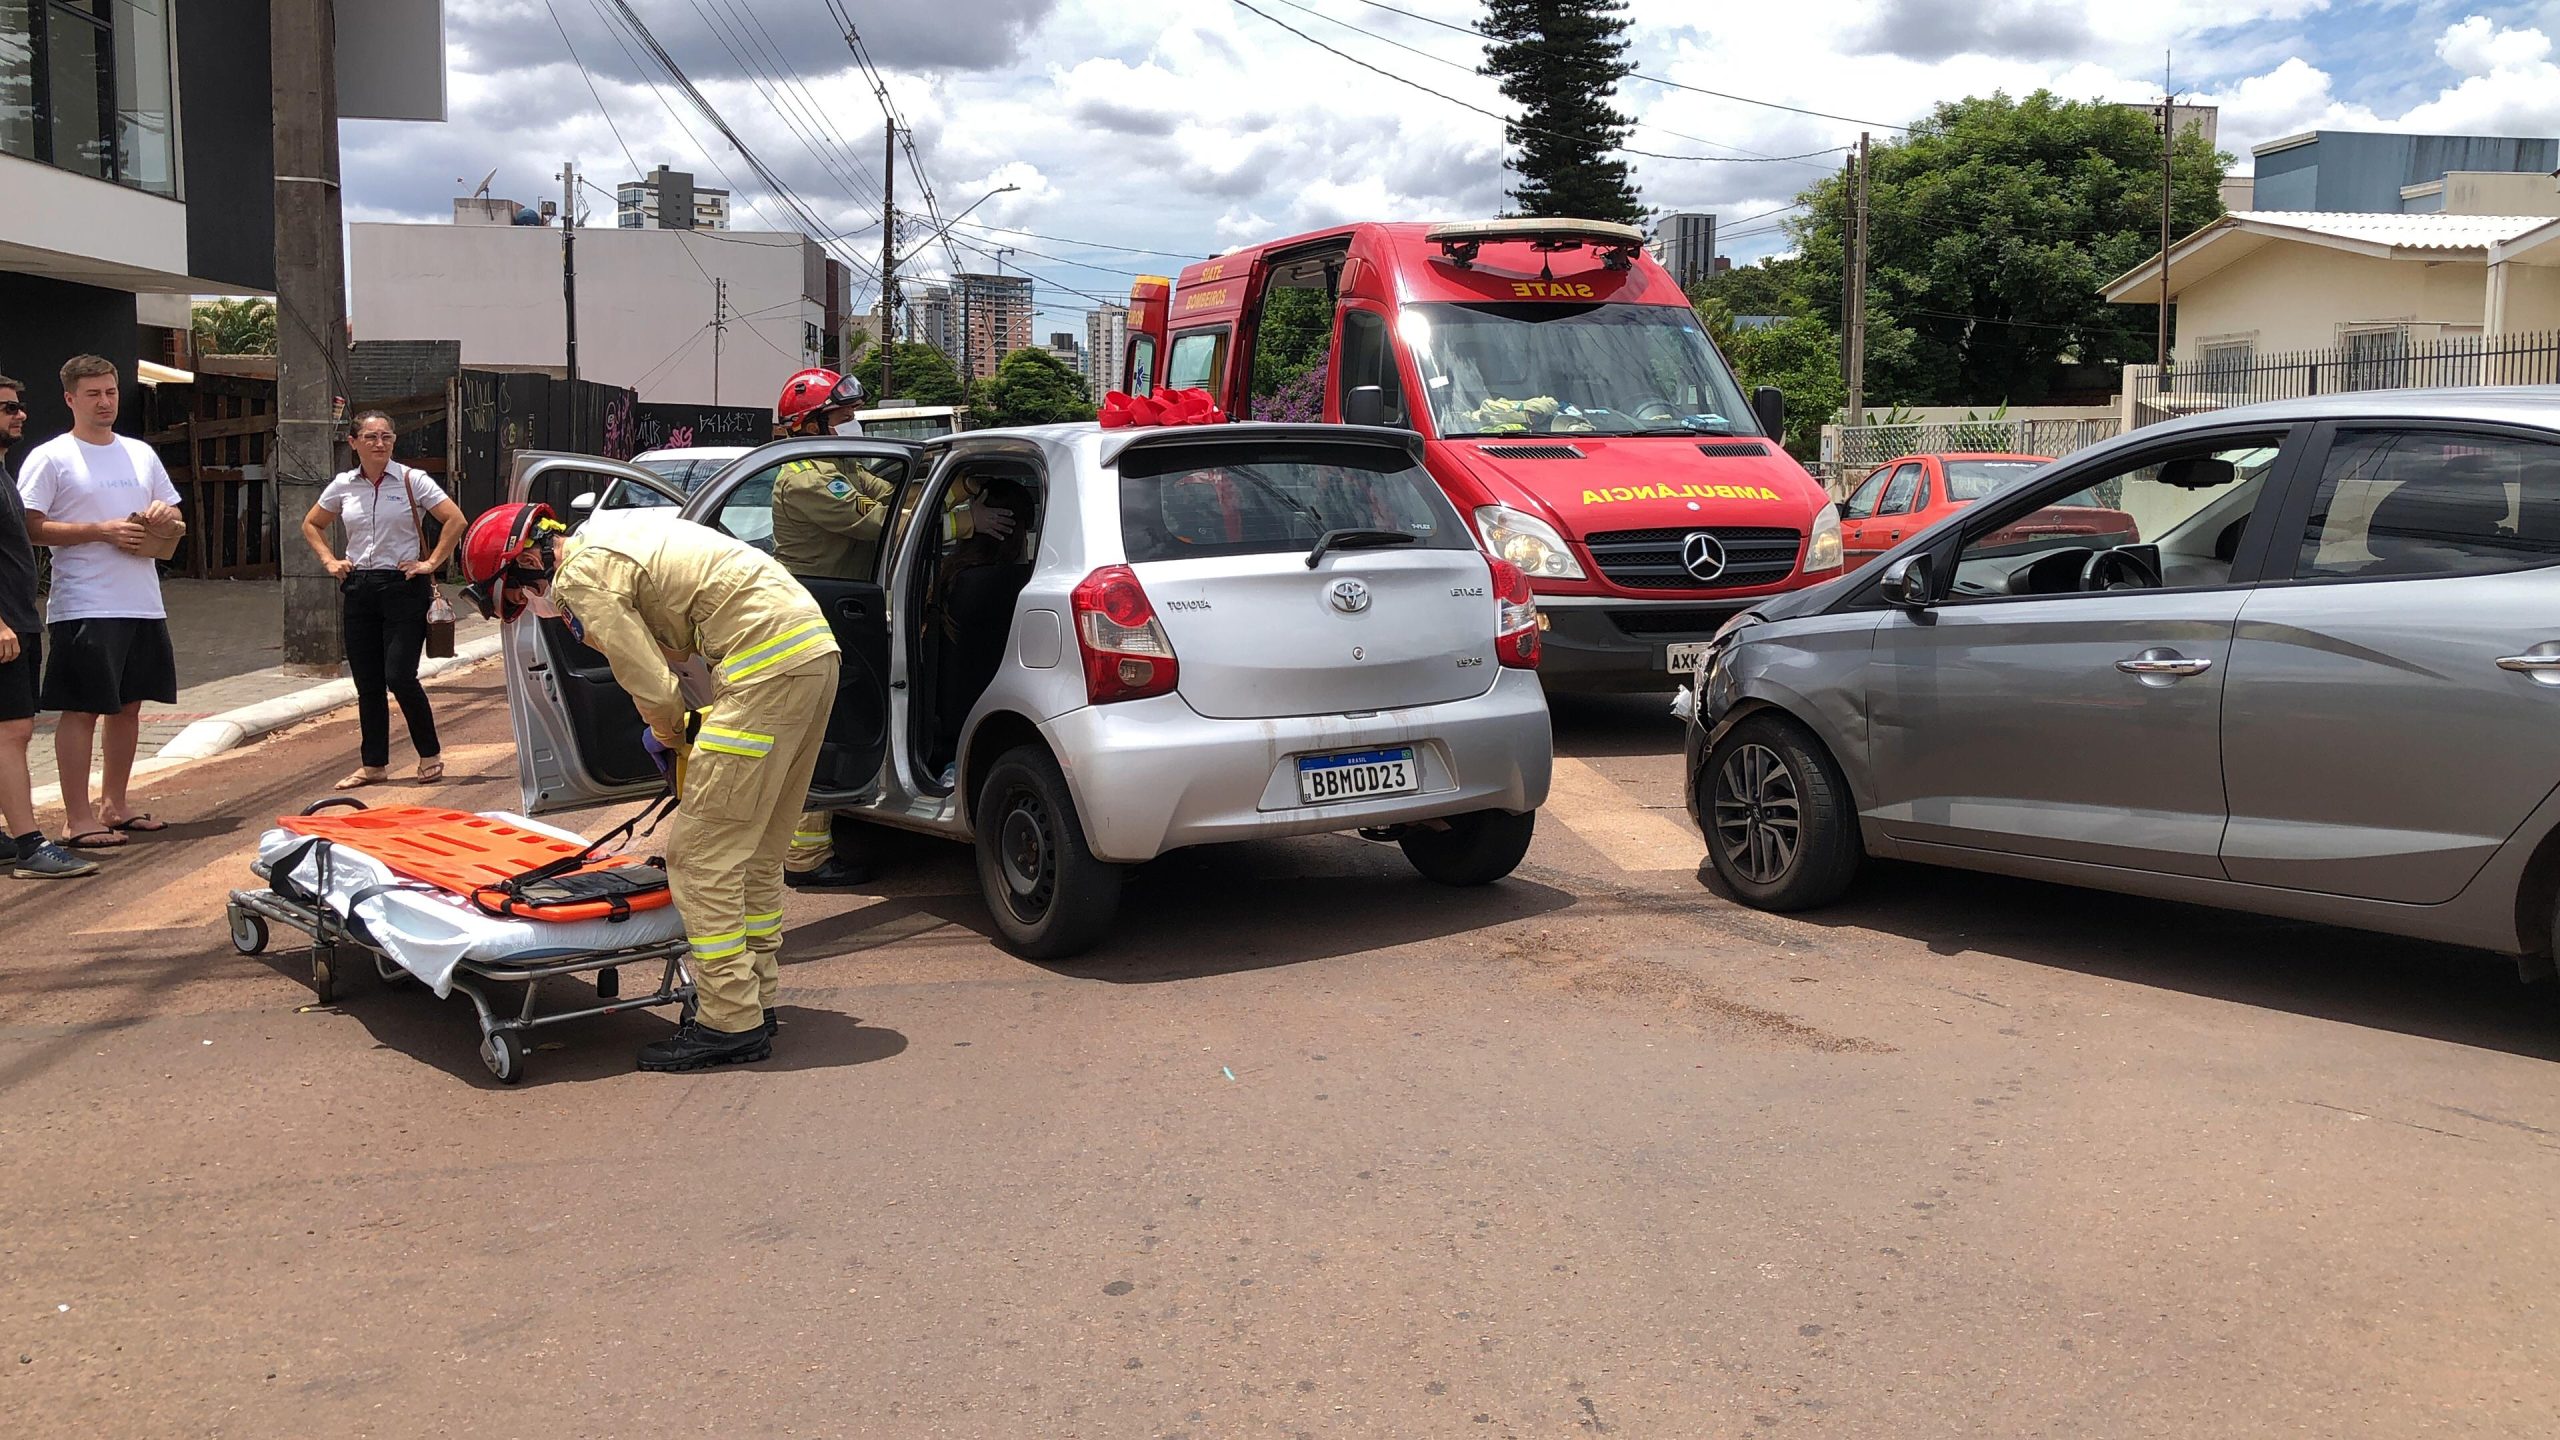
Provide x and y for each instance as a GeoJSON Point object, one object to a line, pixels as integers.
{"type": "Point", "coordinates": [229, 635]}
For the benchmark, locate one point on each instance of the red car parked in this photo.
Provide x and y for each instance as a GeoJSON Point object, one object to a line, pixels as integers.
{"type": "Point", "coordinates": [1904, 496]}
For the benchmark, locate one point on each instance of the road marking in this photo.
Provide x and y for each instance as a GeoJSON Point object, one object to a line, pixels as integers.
{"type": "Point", "coordinates": [1612, 821]}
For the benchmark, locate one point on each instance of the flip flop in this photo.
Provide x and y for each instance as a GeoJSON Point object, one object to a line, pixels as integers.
{"type": "Point", "coordinates": [367, 775]}
{"type": "Point", "coordinates": [95, 840]}
{"type": "Point", "coordinates": [431, 770]}
{"type": "Point", "coordinates": [143, 824]}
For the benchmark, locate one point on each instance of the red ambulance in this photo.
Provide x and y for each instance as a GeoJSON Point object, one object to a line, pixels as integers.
{"type": "Point", "coordinates": [1570, 402]}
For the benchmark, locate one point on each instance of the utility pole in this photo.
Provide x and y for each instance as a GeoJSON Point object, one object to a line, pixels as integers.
{"type": "Point", "coordinates": [1857, 339]}
{"type": "Point", "coordinates": [2168, 149]}
{"type": "Point", "coordinates": [569, 260]}
{"type": "Point", "coordinates": [888, 258]}
{"type": "Point", "coordinates": [311, 301]}
{"type": "Point", "coordinates": [719, 328]}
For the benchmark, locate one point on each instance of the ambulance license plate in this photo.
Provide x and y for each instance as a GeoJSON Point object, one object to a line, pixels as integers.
{"type": "Point", "coordinates": [1683, 658]}
{"type": "Point", "coordinates": [1360, 775]}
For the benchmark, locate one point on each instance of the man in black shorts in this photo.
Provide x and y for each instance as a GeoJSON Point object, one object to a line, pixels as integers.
{"type": "Point", "coordinates": [29, 855]}
{"type": "Point", "coordinates": [91, 495]}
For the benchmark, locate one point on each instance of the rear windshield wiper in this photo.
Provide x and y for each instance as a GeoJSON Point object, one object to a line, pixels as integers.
{"type": "Point", "coordinates": [1357, 539]}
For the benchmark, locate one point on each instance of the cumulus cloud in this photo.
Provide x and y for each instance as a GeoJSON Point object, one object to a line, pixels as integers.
{"type": "Point", "coordinates": [1936, 29]}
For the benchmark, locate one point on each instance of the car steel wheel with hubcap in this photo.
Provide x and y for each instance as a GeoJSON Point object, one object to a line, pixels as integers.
{"type": "Point", "coordinates": [1048, 895]}
{"type": "Point", "coordinates": [1758, 814]}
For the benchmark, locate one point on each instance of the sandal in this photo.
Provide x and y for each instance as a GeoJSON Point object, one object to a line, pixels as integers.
{"type": "Point", "coordinates": [95, 840]}
{"type": "Point", "coordinates": [143, 824]}
{"type": "Point", "coordinates": [366, 775]}
{"type": "Point", "coordinates": [431, 770]}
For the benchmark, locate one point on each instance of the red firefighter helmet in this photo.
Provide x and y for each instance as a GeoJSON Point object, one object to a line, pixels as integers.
{"type": "Point", "coordinates": [494, 550]}
{"type": "Point", "coordinates": [812, 389]}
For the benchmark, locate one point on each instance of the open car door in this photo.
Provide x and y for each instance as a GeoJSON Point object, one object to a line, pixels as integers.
{"type": "Point", "coordinates": [577, 734]}
{"type": "Point", "coordinates": [739, 502]}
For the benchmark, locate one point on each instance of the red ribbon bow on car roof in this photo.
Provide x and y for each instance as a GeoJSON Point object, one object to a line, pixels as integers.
{"type": "Point", "coordinates": [1165, 407]}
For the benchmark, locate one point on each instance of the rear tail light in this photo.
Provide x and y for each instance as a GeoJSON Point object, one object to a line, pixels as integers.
{"type": "Point", "coordinates": [1126, 653]}
{"type": "Point", "coordinates": [1515, 640]}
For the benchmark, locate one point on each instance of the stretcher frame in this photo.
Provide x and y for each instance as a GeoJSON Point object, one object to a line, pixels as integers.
{"type": "Point", "coordinates": [253, 913]}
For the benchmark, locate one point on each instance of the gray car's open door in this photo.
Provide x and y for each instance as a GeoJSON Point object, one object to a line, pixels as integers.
{"type": "Point", "coordinates": [577, 733]}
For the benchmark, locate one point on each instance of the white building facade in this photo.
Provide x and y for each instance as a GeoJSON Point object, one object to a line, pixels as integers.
{"type": "Point", "coordinates": [1106, 346]}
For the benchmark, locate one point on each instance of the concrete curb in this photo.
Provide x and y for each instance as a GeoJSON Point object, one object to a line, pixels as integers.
{"type": "Point", "coordinates": [216, 734]}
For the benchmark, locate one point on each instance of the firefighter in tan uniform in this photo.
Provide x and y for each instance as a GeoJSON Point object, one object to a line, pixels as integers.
{"type": "Point", "coordinates": [642, 587]}
{"type": "Point", "coordinates": [829, 518]}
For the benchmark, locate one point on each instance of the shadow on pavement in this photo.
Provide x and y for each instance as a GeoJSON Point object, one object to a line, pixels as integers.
{"type": "Point", "coordinates": [2354, 977]}
{"type": "Point", "coordinates": [1603, 726]}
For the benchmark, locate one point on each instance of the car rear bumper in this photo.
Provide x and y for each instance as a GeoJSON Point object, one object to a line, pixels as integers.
{"type": "Point", "coordinates": [1154, 775]}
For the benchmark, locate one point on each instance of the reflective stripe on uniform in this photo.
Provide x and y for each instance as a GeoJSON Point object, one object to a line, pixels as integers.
{"type": "Point", "coordinates": [760, 926]}
{"type": "Point", "coordinates": [718, 947]}
{"type": "Point", "coordinates": [734, 742]}
{"type": "Point", "coordinates": [811, 836]}
{"type": "Point", "coordinates": [791, 642]}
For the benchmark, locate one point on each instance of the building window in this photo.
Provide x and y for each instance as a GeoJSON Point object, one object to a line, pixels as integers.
{"type": "Point", "coordinates": [2226, 365]}
{"type": "Point", "coordinates": [85, 87]}
{"type": "Point", "coordinates": [628, 220]}
{"type": "Point", "coordinates": [2377, 359]}
{"type": "Point", "coordinates": [810, 340]}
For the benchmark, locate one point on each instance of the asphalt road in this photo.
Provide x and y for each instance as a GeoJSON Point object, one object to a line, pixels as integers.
{"type": "Point", "coordinates": [1313, 1149]}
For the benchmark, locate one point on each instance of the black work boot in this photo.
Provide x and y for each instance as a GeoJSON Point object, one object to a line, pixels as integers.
{"type": "Point", "coordinates": [772, 1022]}
{"type": "Point", "coordinates": [697, 1047]}
{"type": "Point", "coordinates": [833, 875]}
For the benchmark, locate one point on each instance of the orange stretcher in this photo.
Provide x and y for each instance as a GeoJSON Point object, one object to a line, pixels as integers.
{"type": "Point", "coordinates": [504, 869]}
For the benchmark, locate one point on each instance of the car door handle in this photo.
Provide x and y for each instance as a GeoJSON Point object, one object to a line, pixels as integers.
{"type": "Point", "coordinates": [851, 608]}
{"type": "Point", "coordinates": [2530, 664]}
{"type": "Point", "coordinates": [2163, 662]}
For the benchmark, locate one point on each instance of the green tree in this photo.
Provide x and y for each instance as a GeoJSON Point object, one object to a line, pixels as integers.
{"type": "Point", "coordinates": [1991, 227]}
{"type": "Point", "coordinates": [917, 372]}
{"type": "Point", "coordinates": [1291, 338]}
{"type": "Point", "coordinates": [1033, 387]}
{"type": "Point", "coordinates": [235, 327]}
{"type": "Point", "coordinates": [1767, 288]}
{"type": "Point", "coordinates": [1801, 356]}
{"type": "Point", "coordinates": [1560, 61]}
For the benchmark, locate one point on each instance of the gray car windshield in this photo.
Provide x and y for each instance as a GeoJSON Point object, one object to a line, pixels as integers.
{"type": "Point", "coordinates": [1547, 369]}
{"type": "Point", "coordinates": [1188, 502]}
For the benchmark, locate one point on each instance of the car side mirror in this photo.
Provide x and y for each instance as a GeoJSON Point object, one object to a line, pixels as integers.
{"type": "Point", "coordinates": [1364, 405]}
{"type": "Point", "coordinates": [1769, 407]}
{"type": "Point", "coordinates": [584, 502]}
{"type": "Point", "coordinates": [1907, 584]}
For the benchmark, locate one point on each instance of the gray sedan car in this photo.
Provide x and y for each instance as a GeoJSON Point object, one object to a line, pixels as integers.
{"type": "Point", "coordinates": [2314, 671]}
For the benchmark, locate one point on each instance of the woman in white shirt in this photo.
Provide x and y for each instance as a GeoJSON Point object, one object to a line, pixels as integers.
{"type": "Point", "coordinates": [386, 581]}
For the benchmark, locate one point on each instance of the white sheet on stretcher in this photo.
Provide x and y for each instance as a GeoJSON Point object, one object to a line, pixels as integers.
{"type": "Point", "coordinates": [429, 932]}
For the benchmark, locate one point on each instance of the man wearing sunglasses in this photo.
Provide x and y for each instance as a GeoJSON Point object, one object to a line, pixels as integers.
{"type": "Point", "coordinates": [29, 855]}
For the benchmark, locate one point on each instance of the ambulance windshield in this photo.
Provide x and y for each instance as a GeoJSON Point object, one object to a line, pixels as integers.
{"type": "Point", "coordinates": [1545, 369]}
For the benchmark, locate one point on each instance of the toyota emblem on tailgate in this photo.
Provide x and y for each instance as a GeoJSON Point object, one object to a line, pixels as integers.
{"type": "Point", "coordinates": [1702, 555]}
{"type": "Point", "coordinates": [1350, 596]}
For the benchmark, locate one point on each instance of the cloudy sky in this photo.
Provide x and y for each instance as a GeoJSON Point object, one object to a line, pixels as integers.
{"type": "Point", "coordinates": [1190, 128]}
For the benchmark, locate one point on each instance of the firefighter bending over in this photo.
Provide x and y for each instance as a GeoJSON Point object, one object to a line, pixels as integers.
{"type": "Point", "coordinates": [639, 587]}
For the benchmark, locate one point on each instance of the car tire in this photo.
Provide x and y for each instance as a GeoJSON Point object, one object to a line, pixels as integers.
{"type": "Point", "coordinates": [1780, 827]}
{"type": "Point", "coordinates": [1050, 897]}
{"type": "Point", "coordinates": [1477, 848]}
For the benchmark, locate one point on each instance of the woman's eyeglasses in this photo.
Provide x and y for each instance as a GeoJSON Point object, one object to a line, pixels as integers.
{"type": "Point", "coordinates": [376, 437]}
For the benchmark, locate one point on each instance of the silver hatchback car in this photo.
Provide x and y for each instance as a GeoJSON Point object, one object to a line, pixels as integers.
{"type": "Point", "coordinates": [1196, 634]}
{"type": "Point", "coordinates": [2300, 658]}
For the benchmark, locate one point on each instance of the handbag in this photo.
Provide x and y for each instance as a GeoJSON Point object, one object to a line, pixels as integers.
{"type": "Point", "coordinates": [439, 610]}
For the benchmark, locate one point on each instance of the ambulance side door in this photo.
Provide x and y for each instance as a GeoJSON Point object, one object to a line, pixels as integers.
{"type": "Point", "coordinates": [577, 734]}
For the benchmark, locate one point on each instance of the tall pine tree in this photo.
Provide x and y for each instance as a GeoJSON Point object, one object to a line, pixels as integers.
{"type": "Point", "coordinates": [1560, 61]}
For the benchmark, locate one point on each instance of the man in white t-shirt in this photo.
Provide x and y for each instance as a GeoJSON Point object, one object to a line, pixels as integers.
{"type": "Point", "coordinates": [106, 631]}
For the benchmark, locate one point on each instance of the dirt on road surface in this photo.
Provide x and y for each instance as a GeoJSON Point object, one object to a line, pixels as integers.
{"type": "Point", "coordinates": [1310, 1148]}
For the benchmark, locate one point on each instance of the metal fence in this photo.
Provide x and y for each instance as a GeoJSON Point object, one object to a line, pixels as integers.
{"type": "Point", "coordinates": [1864, 447]}
{"type": "Point", "coordinates": [2379, 360]}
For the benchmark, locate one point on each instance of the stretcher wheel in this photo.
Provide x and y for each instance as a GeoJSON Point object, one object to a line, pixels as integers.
{"type": "Point", "coordinates": [390, 972]}
{"type": "Point", "coordinates": [609, 983]}
{"type": "Point", "coordinates": [248, 932]}
{"type": "Point", "coordinates": [324, 974]}
{"type": "Point", "coordinates": [503, 1052]}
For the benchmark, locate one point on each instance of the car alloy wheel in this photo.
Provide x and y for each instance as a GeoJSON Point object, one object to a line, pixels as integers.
{"type": "Point", "coordinates": [1759, 817]}
{"type": "Point", "coordinates": [1027, 849]}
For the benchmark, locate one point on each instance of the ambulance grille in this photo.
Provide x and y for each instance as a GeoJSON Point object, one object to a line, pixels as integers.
{"type": "Point", "coordinates": [1532, 452]}
{"type": "Point", "coordinates": [1650, 559]}
{"type": "Point", "coordinates": [1731, 449]}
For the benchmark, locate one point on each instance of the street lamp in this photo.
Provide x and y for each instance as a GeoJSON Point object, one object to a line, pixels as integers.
{"type": "Point", "coordinates": [961, 287]}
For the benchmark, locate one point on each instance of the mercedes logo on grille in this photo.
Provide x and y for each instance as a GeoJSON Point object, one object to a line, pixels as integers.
{"type": "Point", "coordinates": [1351, 596]}
{"type": "Point", "coordinates": [1702, 555]}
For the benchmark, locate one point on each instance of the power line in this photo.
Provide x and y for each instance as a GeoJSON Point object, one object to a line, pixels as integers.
{"type": "Point", "coordinates": [1507, 120]}
{"type": "Point", "coordinates": [1088, 244]}
{"type": "Point", "coordinates": [589, 76]}
{"type": "Point", "coordinates": [751, 60]}
{"type": "Point", "coordinates": [1658, 80]}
